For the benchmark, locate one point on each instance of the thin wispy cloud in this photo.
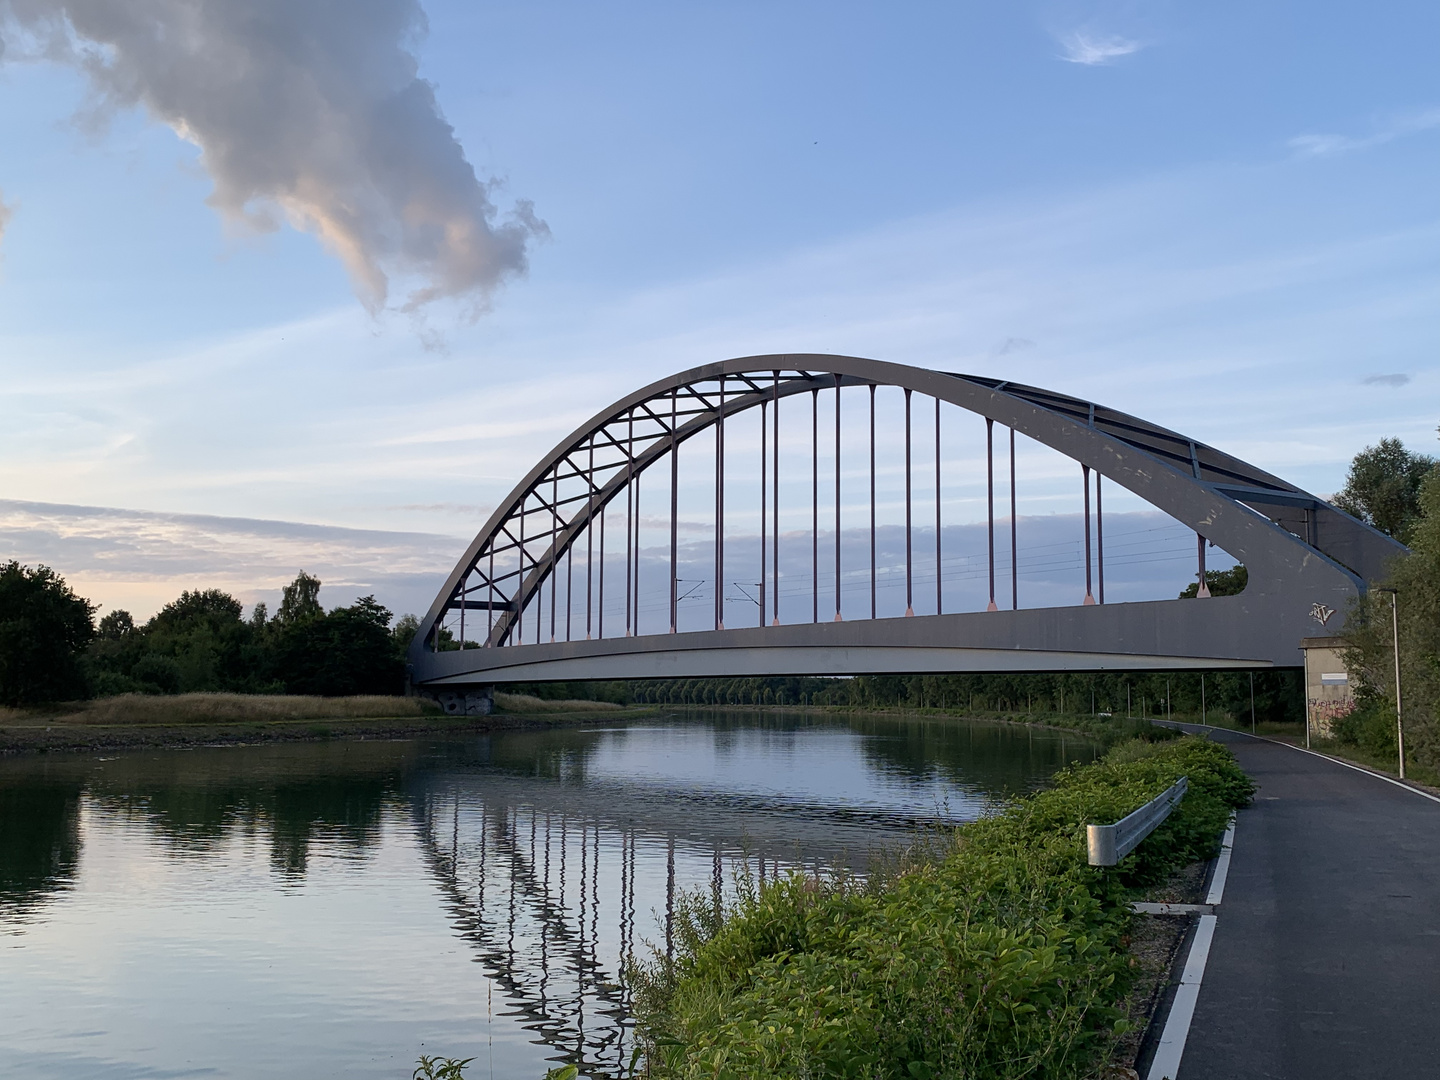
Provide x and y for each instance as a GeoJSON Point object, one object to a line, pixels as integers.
{"type": "Point", "coordinates": [306, 112]}
{"type": "Point", "coordinates": [5, 214]}
{"type": "Point", "coordinates": [1329, 144]}
{"type": "Point", "coordinates": [471, 510]}
{"type": "Point", "coordinates": [1087, 47]}
{"type": "Point", "coordinates": [1387, 380]}
{"type": "Point", "coordinates": [141, 559]}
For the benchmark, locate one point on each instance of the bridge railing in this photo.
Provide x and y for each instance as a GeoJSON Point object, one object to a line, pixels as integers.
{"type": "Point", "coordinates": [1111, 843]}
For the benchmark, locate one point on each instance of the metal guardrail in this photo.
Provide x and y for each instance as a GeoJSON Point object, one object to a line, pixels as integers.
{"type": "Point", "coordinates": [1111, 843]}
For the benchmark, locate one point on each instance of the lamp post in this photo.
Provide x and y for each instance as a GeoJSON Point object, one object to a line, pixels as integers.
{"type": "Point", "coordinates": [1395, 640]}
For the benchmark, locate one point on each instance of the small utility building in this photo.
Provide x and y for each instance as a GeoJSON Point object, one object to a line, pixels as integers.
{"type": "Point", "coordinates": [1327, 683]}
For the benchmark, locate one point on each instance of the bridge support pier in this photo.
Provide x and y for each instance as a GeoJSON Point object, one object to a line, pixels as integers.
{"type": "Point", "coordinates": [475, 701]}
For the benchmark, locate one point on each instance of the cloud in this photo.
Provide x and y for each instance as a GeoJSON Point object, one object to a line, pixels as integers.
{"type": "Point", "coordinates": [6, 213]}
{"type": "Point", "coordinates": [1085, 47]}
{"type": "Point", "coordinates": [309, 112]}
{"type": "Point", "coordinates": [1387, 380]}
{"type": "Point", "coordinates": [470, 510]}
{"type": "Point", "coordinates": [141, 560]}
{"type": "Point", "coordinates": [1328, 145]}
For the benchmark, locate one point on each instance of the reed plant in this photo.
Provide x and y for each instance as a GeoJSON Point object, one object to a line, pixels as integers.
{"type": "Point", "coordinates": [527, 703]}
{"type": "Point", "coordinates": [220, 708]}
{"type": "Point", "coordinates": [443, 1068]}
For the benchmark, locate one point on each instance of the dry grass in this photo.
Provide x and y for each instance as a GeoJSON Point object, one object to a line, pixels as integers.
{"type": "Point", "coordinates": [143, 709]}
{"type": "Point", "coordinates": [153, 710]}
{"type": "Point", "coordinates": [526, 703]}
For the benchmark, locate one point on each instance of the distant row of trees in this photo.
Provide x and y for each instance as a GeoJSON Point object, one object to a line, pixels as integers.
{"type": "Point", "coordinates": [52, 650]}
{"type": "Point", "coordinates": [1279, 695]}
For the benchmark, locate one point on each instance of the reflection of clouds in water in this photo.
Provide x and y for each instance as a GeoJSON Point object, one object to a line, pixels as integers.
{"type": "Point", "coordinates": [885, 767]}
{"type": "Point", "coordinates": [820, 768]}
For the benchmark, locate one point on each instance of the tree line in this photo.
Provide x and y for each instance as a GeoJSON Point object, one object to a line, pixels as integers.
{"type": "Point", "coordinates": [51, 648]}
{"type": "Point", "coordinates": [1278, 695]}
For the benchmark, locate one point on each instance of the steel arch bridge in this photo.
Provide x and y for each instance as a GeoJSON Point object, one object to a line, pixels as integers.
{"type": "Point", "coordinates": [1305, 558]}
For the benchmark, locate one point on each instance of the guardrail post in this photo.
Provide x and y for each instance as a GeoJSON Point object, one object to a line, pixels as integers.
{"type": "Point", "coordinates": [1102, 845]}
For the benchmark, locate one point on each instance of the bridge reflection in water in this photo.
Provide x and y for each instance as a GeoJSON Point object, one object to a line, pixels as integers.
{"type": "Point", "coordinates": [564, 858]}
{"type": "Point", "coordinates": [556, 901]}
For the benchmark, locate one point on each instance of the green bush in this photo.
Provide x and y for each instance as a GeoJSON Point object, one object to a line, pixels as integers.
{"type": "Point", "coordinates": [1001, 958]}
{"type": "Point", "coordinates": [1370, 726]}
{"type": "Point", "coordinates": [44, 630]}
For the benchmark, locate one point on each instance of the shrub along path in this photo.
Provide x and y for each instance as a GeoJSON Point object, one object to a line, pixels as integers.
{"type": "Point", "coordinates": [1326, 957]}
{"type": "Point", "coordinates": [1002, 958]}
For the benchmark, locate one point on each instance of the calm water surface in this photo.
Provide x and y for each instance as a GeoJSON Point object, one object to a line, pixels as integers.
{"type": "Point", "coordinates": [336, 909]}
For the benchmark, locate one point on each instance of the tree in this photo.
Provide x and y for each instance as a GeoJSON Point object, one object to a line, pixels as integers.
{"type": "Point", "coordinates": [196, 643]}
{"type": "Point", "coordinates": [1383, 488]}
{"type": "Point", "coordinates": [1371, 657]}
{"type": "Point", "coordinates": [403, 633]}
{"type": "Point", "coordinates": [300, 601]}
{"type": "Point", "coordinates": [1230, 582]}
{"type": "Point", "coordinates": [209, 608]}
{"type": "Point", "coordinates": [117, 625]}
{"type": "Point", "coordinates": [44, 629]}
{"type": "Point", "coordinates": [348, 651]}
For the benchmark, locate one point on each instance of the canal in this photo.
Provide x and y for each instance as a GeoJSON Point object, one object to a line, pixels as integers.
{"type": "Point", "coordinates": [337, 909]}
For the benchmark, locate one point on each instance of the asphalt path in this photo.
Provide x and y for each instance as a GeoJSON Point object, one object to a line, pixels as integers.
{"type": "Point", "coordinates": [1326, 955]}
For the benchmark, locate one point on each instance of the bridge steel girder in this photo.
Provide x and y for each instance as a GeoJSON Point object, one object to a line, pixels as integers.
{"type": "Point", "coordinates": [1299, 550]}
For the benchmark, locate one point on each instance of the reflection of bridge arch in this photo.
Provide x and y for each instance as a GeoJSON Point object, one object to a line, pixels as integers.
{"type": "Point", "coordinates": [1300, 551]}
{"type": "Point", "coordinates": [566, 993]}
{"type": "Point", "coordinates": [554, 897]}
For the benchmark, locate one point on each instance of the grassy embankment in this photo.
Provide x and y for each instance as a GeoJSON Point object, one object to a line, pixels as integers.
{"type": "Point", "coordinates": [1112, 730]}
{"type": "Point", "coordinates": [189, 719]}
{"type": "Point", "coordinates": [1381, 760]}
{"type": "Point", "coordinates": [1370, 742]}
{"type": "Point", "coordinates": [1108, 731]}
{"type": "Point", "coordinates": [1002, 956]}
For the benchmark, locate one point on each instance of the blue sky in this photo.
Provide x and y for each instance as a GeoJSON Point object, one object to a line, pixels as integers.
{"type": "Point", "coordinates": [1220, 217]}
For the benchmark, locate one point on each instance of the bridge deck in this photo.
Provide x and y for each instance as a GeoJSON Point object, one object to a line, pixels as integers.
{"type": "Point", "coordinates": [1326, 956]}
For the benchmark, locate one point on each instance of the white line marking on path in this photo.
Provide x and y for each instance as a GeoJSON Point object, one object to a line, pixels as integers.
{"type": "Point", "coordinates": [1166, 1063]}
{"type": "Point", "coordinates": [1357, 768]}
{"type": "Point", "coordinates": [1222, 865]}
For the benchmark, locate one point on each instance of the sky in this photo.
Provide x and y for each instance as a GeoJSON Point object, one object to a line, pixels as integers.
{"type": "Point", "coordinates": [256, 313]}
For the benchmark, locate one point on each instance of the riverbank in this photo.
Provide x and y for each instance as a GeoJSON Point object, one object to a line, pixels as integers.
{"type": "Point", "coordinates": [182, 720]}
{"type": "Point", "coordinates": [1003, 955]}
{"type": "Point", "coordinates": [1108, 731]}
{"type": "Point", "coordinates": [139, 720]}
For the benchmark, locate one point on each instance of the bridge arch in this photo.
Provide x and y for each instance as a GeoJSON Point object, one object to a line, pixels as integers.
{"type": "Point", "coordinates": [1303, 554]}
